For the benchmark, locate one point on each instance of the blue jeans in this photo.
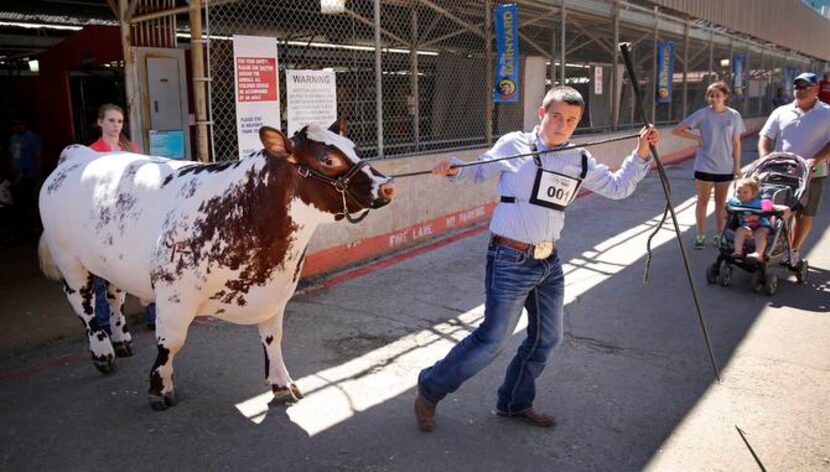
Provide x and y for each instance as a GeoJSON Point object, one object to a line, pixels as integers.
{"type": "Point", "coordinates": [102, 307]}
{"type": "Point", "coordinates": [514, 280]}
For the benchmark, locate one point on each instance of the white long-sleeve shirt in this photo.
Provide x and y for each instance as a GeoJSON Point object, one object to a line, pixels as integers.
{"type": "Point", "coordinates": [530, 223]}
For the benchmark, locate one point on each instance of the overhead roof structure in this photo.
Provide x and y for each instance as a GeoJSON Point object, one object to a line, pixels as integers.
{"type": "Point", "coordinates": [761, 22]}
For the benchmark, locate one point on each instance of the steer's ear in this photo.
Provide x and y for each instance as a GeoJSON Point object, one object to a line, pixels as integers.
{"type": "Point", "coordinates": [340, 127]}
{"type": "Point", "coordinates": [275, 142]}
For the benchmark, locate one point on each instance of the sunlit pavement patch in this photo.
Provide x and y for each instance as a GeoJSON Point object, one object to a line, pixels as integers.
{"type": "Point", "coordinates": [336, 394]}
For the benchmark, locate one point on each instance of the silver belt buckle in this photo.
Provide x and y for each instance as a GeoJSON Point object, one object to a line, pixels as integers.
{"type": "Point", "coordinates": [543, 250]}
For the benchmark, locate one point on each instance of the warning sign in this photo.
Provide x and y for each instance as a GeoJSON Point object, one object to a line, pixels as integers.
{"type": "Point", "coordinates": [256, 78]}
{"type": "Point", "coordinates": [257, 89]}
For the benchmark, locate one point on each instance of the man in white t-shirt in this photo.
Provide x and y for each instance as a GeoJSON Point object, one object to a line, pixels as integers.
{"type": "Point", "coordinates": [803, 128]}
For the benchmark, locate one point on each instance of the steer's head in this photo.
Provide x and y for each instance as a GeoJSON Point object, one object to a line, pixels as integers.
{"type": "Point", "coordinates": [330, 170]}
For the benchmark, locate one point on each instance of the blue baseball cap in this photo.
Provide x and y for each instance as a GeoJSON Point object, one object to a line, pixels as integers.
{"type": "Point", "coordinates": [807, 77]}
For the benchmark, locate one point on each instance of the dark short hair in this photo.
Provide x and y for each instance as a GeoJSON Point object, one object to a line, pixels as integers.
{"type": "Point", "coordinates": [564, 94]}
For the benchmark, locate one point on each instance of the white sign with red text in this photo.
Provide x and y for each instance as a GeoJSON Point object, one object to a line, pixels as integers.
{"type": "Point", "coordinates": [256, 76]}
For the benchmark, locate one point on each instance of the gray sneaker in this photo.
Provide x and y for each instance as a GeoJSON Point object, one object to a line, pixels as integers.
{"type": "Point", "coordinates": [795, 258]}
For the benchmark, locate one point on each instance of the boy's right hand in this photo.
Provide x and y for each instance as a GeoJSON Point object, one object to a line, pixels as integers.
{"type": "Point", "coordinates": [445, 168]}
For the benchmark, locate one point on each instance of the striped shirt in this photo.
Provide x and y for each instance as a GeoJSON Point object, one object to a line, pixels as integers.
{"type": "Point", "coordinates": [523, 221]}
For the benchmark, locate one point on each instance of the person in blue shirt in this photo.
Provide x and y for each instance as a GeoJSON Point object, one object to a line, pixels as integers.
{"type": "Point", "coordinates": [718, 156]}
{"type": "Point", "coordinates": [25, 149]}
{"type": "Point", "coordinates": [751, 225]}
{"type": "Point", "coordinates": [523, 266]}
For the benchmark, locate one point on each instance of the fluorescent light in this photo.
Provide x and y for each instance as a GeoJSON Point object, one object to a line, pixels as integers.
{"type": "Point", "coordinates": [325, 45]}
{"type": "Point", "coordinates": [34, 65]}
{"type": "Point", "coordinates": [332, 7]}
{"type": "Point", "coordinates": [724, 62]}
{"type": "Point", "coordinates": [40, 26]}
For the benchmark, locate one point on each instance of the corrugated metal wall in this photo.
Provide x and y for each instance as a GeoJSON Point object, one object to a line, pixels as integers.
{"type": "Point", "coordinates": [788, 23]}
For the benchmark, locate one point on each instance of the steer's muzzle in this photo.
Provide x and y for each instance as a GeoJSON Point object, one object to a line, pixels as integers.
{"type": "Point", "coordinates": [386, 192]}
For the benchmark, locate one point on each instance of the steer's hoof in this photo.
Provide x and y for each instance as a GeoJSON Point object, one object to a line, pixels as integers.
{"type": "Point", "coordinates": [285, 395]}
{"type": "Point", "coordinates": [124, 349]}
{"type": "Point", "coordinates": [162, 402]}
{"type": "Point", "coordinates": [296, 391]}
{"type": "Point", "coordinates": [104, 363]}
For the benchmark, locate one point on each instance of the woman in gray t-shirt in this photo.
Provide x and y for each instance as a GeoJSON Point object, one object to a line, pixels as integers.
{"type": "Point", "coordinates": [718, 158]}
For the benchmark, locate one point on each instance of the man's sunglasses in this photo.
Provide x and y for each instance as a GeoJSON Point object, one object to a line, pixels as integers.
{"type": "Point", "coordinates": [802, 86]}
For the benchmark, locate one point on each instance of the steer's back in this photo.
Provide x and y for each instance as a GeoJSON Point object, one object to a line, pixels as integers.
{"type": "Point", "coordinates": [105, 211]}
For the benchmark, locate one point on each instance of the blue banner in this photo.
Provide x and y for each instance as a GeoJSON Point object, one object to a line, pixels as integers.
{"type": "Point", "coordinates": [739, 76]}
{"type": "Point", "coordinates": [507, 53]}
{"type": "Point", "coordinates": [665, 70]}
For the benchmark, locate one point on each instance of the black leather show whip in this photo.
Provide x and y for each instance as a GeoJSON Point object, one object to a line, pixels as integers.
{"type": "Point", "coordinates": [516, 156]}
{"type": "Point", "coordinates": [664, 181]}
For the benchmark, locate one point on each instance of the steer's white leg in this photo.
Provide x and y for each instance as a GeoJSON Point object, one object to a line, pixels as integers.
{"type": "Point", "coordinates": [121, 338]}
{"type": "Point", "coordinates": [172, 321]}
{"type": "Point", "coordinates": [276, 374]}
{"type": "Point", "coordinates": [78, 288]}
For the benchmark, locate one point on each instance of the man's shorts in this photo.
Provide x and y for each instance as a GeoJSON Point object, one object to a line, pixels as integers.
{"type": "Point", "coordinates": [814, 196]}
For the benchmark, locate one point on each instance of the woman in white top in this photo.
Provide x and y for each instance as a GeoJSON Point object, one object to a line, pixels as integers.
{"type": "Point", "coordinates": [718, 158]}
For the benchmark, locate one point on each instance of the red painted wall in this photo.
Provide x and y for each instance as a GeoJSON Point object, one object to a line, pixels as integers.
{"type": "Point", "coordinates": [94, 45]}
{"type": "Point", "coordinates": [46, 99]}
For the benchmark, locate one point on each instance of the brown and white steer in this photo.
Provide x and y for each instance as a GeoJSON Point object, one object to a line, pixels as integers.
{"type": "Point", "coordinates": [225, 239]}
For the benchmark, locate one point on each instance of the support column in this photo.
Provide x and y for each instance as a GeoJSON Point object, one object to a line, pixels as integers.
{"type": "Point", "coordinates": [711, 55]}
{"type": "Point", "coordinates": [729, 70]}
{"type": "Point", "coordinates": [197, 57]}
{"type": "Point", "coordinates": [378, 81]}
{"type": "Point", "coordinates": [130, 77]}
{"type": "Point", "coordinates": [685, 111]}
{"type": "Point", "coordinates": [562, 65]}
{"type": "Point", "coordinates": [413, 59]}
{"type": "Point", "coordinates": [748, 72]}
{"type": "Point", "coordinates": [654, 68]}
{"type": "Point", "coordinates": [764, 83]}
{"type": "Point", "coordinates": [615, 57]}
{"type": "Point", "coordinates": [488, 68]}
{"type": "Point", "coordinates": [552, 56]}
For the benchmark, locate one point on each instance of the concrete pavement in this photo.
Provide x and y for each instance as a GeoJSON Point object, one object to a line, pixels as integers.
{"type": "Point", "coordinates": [632, 385]}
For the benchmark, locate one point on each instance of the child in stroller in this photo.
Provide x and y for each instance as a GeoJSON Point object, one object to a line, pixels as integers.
{"type": "Point", "coordinates": [762, 230]}
{"type": "Point", "coordinates": [750, 224]}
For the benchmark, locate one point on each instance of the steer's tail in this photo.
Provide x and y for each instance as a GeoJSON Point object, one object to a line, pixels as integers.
{"type": "Point", "coordinates": [47, 262]}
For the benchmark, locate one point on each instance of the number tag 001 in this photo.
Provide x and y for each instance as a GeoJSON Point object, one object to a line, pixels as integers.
{"type": "Point", "coordinates": [554, 190]}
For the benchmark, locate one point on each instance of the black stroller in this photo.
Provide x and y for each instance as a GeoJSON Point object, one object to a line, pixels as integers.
{"type": "Point", "coordinates": [784, 178]}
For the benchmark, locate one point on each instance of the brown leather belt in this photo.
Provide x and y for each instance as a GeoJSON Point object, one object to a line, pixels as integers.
{"type": "Point", "coordinates": [512, 243]}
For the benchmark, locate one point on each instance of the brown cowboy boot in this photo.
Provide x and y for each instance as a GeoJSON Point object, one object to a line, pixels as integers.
{"type": "Point", "coordinates": [424, 414]}
{"type": "Point", "coordinates": [532, 417]}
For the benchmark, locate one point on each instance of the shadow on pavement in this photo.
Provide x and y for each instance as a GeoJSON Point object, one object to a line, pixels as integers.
{"type": "Point", "coordinates": [632, 367]}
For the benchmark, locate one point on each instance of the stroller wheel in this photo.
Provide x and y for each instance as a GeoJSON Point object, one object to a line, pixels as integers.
{"type": "Point", "coordinates": [771, 284]}
{"type": "Point", "coordinates": [801, 271]}
{"type": "Point", "coordinates": [756, 283]}
{"type": "Point", "coordinates": [712, 273]}
{"type": "Point", "coordinates": [725, 274]}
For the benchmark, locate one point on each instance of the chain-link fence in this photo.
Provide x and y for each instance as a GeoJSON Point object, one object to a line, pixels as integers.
{"type": "Point", "coordinates": [434, 59]}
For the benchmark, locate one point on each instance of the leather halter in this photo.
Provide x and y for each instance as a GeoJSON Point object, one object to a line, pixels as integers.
{"type": "Point", "coordinates": [341, 184]}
